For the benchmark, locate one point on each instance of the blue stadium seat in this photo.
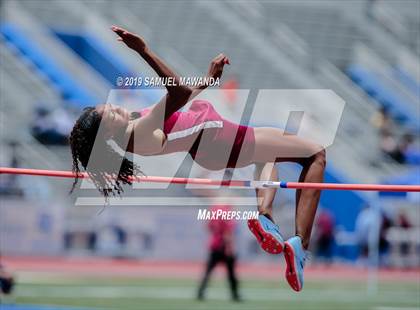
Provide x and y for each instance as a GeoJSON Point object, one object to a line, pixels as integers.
{"type": "Point", "coordinates": [67, 85]}
{"type": "Point", "coordinates": [397, 106]}
{"type": "Point", "coordinates": [101, 58]}
{"type": "Point", "coordinates": [407, 81]}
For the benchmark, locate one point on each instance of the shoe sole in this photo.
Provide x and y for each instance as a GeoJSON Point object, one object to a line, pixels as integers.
{"type": "Point", "coordinates": [266, 240]}
{"type": "Point", "coordinates": [291, 274]}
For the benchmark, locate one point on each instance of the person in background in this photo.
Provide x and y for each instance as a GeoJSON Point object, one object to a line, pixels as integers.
{"type": "Point", "coordinates": [221, 250]}
{"type": "Point", "coordinates": [9, 184]}
{"type": "Point", "coordinates": [383, 122]}
{"type": "Point", "coordinates": [402, 148]}
{"type": "Point", "coordinates": [230, 91]}
{"type": "Point", "coordinates": [51, 127]}
{"type": "Point", "coordinates": [6, 281]}
{"type": "Point", "coordinates": [365, 222]}
{"type": "Point", "coordinates": [325, 236]}
{"type": "Point", "coordinates": [371, 222]}
{"type": "Point", "coordinates": [388, 144]}
{"type": "Point", "coordinates": [404, 223]}
{"type": "Point", "coordinates": [384, 245]}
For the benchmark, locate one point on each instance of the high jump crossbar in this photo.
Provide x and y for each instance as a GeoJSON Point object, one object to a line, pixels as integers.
{"type": "Point", "coordinates": [231, 183]}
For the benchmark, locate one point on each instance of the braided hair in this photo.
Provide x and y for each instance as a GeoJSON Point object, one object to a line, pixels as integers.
{"type": "Point", "coordinates": [82, 139]}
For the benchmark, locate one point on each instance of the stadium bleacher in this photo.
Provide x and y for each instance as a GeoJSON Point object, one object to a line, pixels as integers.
{"type": "Point", "coordinates": [324, 38]}
{"type": "Point", "coordinates": [69, 88]}
{"type": "Point", "coordinates": [145, 251]}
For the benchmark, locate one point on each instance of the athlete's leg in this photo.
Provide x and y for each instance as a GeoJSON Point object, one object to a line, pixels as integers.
{"type": "Point", "coordinates": [265, 197]}
{"type": "Point", "coordinates": [272, 144]}
{"type": "Point", "coordinates": [307, 200]}
{"type": "Point", "coordinates": [267, 233]}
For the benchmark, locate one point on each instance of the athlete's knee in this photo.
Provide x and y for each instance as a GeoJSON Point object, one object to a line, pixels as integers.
{"type": "Point", "coordinates": [320, 158]}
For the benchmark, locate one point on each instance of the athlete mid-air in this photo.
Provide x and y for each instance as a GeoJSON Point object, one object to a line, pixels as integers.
{"type": "Point", "coordinates": [205, 135]}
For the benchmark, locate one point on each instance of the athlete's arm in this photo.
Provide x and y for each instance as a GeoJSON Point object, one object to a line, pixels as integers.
{"type": "Point", "coordinates": [178, 95]}
{"type": "Point", "coordinates": [215, 71]}
{"type": "Point", "coordinates": [146, 127]}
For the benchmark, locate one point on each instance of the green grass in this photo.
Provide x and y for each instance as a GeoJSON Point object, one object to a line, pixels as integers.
{"type": "Point", "coordinates": [168, 294]}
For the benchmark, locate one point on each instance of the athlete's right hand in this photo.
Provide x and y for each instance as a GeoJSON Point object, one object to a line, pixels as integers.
{"type": "Point", "coordinates": [216, 66]}
{"type": "Point", "coordinates": [132, 40]}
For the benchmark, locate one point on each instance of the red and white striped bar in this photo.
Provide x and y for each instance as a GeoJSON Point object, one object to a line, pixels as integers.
{"type": "Point", "coordinates": [232, 183]}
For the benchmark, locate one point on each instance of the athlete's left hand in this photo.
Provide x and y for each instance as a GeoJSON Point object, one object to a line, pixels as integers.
{"type": "Point", "coordinates": [216, 66]}
{"type": "Point", "coordinates": [132, 40]}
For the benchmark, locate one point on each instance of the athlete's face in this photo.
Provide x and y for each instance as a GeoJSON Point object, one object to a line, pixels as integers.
{"type": "Point", "coordinates": [114, 118]}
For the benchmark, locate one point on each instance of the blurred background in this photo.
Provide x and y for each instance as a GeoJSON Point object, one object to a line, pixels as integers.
{"type": "Point", "coordinates": [59, 56]}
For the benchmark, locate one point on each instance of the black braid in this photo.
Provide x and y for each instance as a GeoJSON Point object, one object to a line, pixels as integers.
{"type": "Point", "coordinates": [82, 139]}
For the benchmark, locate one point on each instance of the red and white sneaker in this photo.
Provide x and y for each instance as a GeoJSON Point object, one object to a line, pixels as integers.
{"type": "Point", "coordinates": [267, 234]}
{"type": "Point", "coordinates": [295, 257]}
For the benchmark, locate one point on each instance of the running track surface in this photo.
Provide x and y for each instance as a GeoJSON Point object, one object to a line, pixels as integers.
{"type": "Point", "coordinates": [34, 307]}
{"type": "Point", "coordinates": [152, 269]}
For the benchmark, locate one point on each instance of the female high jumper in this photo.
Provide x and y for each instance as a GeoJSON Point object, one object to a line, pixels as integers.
{"type": "Point", "coordinates": [203, 133]}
